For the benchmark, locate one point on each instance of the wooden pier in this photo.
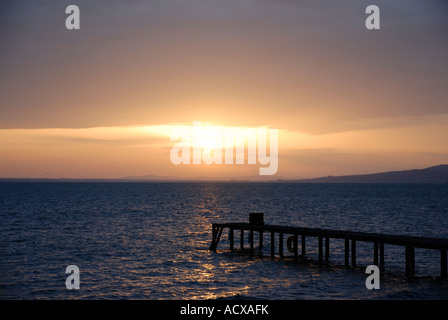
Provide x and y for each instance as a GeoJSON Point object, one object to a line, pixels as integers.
{"type": "Point", "coordinates": [409, 243]}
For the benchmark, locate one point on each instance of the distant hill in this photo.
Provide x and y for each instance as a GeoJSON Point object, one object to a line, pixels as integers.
{"type": "Point", "coordinates": [436, 174]}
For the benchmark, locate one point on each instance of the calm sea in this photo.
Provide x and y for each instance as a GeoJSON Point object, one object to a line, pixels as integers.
{"type": "Point", "coordinates": [151, 240]}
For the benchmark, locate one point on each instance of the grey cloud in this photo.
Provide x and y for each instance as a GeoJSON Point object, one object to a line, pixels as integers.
{"type": "Point", "coordinates": [73, 140]}
{"type": "Point", "coordinates": [275, 54]}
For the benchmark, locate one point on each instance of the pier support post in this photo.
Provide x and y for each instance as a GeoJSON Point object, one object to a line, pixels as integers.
{"type": "Point", "coordinates": [272, 244]}
{"type": "Point", "coordinates": [251, 240]}
{"type": "Point", "coordinates": [295, 247]}
{"type": "Point", "coordinates": [213, 245]}
{"type": "Point", "coordinates": [375, 253]}
{"type": "Point", "coordinates": [320, 250]}
{"type": "Point", "coordinates": [231, 234]}
{"type": "Point", "coordinates": [443, 264]}
{"type": "Point", "coordinates": [347, 252]}
{"type": "Point", "coordinates": [353, 252]}
{"type": "Point", "coordinates": [303, 245]}
{"type": "Point", "coordinates": [216, 235]}
{"type": "Point", "coordinates": [280, 244]}
{"type": "Point", "coordinates": [327, 249]}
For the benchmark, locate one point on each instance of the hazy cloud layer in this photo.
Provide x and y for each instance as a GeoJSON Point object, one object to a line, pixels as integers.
{"type": "Point", "coordinates": [304, 65]}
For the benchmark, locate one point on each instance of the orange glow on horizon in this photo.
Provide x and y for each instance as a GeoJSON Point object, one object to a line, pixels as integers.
{"type": "Point", "coordinates": [115, 152]}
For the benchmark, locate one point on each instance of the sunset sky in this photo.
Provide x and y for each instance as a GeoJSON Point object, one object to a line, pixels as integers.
{"type": "Point", "coordinates": [100, 102]}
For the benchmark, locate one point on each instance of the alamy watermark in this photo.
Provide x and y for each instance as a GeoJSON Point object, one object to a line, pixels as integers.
{"type": "Point", "coordinates": [72, 22]}
{"type": "Point", "coordinates": [73, 280]}
{"type": "Point", "coordinates": [209, 145]}
{"type": "Point", "coordinates": [373, 280]}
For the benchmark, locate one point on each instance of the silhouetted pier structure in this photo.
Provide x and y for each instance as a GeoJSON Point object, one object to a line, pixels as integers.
{"type": "Point", "coordinates": [409, 243]}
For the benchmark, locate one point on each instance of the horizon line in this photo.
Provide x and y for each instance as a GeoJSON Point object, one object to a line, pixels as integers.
{"type": "Point", "coordinates": [255, 178]}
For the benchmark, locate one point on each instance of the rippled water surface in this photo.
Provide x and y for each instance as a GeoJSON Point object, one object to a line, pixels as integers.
{"type": "Point", "coordinates": [151, 240]}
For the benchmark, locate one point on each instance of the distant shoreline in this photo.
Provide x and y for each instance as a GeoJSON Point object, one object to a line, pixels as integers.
{"type": "Point", "coordinates": [432, 175]}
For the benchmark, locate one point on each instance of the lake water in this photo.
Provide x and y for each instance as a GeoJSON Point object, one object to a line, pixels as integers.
{"type": "Point", "coordinates": [151, 240]}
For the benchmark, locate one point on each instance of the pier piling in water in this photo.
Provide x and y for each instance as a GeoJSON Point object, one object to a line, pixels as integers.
{"type": "Point", "coordinates": [256, 224]}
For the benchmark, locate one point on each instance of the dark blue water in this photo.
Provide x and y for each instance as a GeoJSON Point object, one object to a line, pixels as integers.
{"type": "Point", "coordinates": [150, 240]}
